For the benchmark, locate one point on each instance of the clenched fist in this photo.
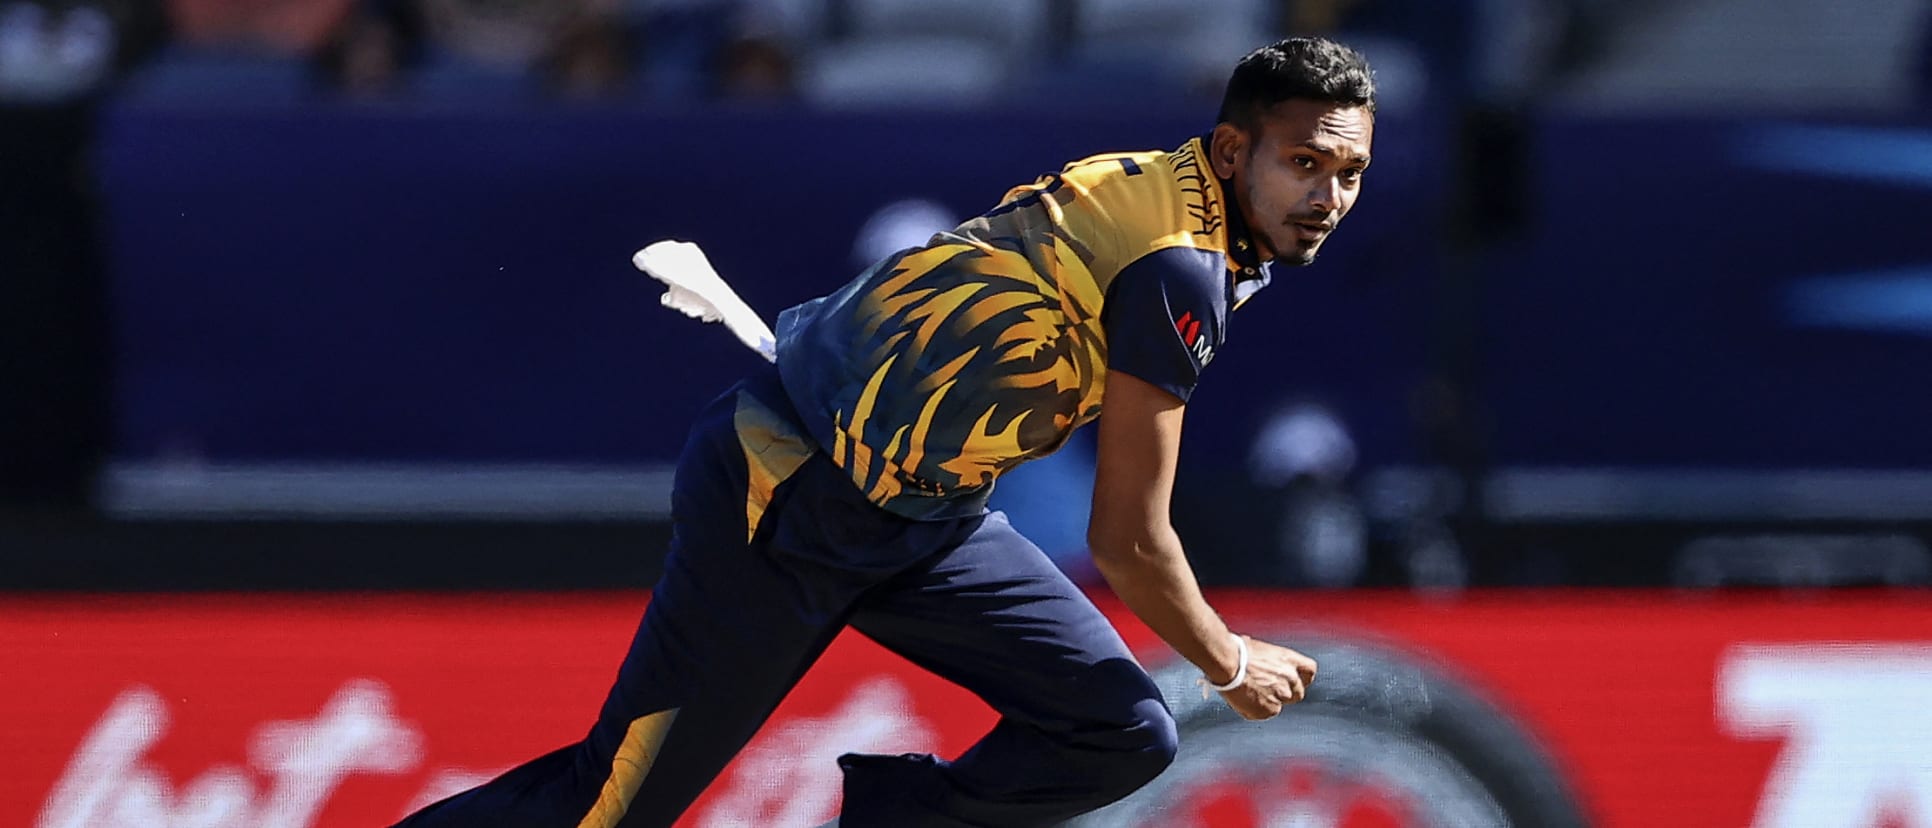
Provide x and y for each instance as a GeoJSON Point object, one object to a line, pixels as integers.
{"type": "Point", "coordinates": [1277, 677]}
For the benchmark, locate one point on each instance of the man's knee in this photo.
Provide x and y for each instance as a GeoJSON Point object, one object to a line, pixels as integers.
{"type": "Point", "coordinates": [1145, 749]}
{"type": "Point", "coordinates": [1128, 737]}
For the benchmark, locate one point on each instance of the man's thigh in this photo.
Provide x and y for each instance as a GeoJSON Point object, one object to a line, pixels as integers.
{"type": "Point", "coordinates": [995, 616]}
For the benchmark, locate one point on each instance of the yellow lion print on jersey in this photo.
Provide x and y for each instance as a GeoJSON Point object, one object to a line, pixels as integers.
{"type": "Point", "coordinates": [943, 366]}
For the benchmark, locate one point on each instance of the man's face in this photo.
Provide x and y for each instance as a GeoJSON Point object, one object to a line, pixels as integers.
{"type": "Point", "coordinates": [1297, 173]}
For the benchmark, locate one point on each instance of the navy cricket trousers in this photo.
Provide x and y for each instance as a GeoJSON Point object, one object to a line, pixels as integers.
{"type": "Point", "coordinates": [774, 551]}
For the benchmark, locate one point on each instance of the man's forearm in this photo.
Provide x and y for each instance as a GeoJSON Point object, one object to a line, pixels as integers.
{"type": "Point", "coordinates": [1152, 577]}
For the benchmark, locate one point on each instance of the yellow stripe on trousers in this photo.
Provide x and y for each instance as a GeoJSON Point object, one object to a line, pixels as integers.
{"type": "Point", "coordinates": [773, 451]}
{"type": "Point", "coordinates": [628, 769]}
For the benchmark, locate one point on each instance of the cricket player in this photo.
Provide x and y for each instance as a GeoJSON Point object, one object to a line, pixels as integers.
{"type": "Point", "coordinates": [846, 485]}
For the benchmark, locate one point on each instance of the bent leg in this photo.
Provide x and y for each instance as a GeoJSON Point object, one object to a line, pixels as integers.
{"type": "Point", "coordinates": [732, 625]}
{"type": "Point", "coordinates": [702, 675]}
{"type": "Point", "coordinates": [1081, 723]}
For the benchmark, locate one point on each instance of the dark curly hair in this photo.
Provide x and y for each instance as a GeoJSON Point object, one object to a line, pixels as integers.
{"type": "Point", "coordinates": [1300, 67]}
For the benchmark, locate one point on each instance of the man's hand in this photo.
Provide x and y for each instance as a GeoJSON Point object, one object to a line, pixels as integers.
{"type": "Point", "coordinates": [1277, 677]}
{"type": "Point", "coordinates": [1136, 550]}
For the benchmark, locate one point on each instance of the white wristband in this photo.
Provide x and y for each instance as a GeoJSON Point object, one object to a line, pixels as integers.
{"type": "Point", "coordinates": [1240, 671]}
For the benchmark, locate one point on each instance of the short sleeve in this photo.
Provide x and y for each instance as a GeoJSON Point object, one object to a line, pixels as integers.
{"type": "Point", "coordinates": [1164, 315]}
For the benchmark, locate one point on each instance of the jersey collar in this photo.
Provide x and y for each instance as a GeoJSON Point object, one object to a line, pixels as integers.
{"type": "Point", "coordinates": [1244, 255]}
{"type": "Point", "coordinates": [1250, 274]}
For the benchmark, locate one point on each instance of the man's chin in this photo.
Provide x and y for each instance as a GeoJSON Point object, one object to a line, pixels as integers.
{"type": "Point", "coordinates": [1298, 257]}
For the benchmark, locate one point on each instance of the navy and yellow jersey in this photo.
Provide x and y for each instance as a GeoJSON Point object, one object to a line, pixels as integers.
{"type": "Point", "coordinates": [943, 366]}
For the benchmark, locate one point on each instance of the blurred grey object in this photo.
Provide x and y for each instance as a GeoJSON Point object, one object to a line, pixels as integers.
{"type": "Point", "coordinates": [1379, 724]}
{"type": "Point", "coordinates": [1804, 560]}
{"type": "Point", "coordinates": [1304, 452]}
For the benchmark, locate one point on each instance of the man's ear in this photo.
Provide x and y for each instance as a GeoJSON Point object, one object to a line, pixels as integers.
{"type": "Point", "coordinates": [1228, 143]}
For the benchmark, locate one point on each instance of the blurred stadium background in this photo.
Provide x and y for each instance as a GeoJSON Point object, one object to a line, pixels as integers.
{"type": "Point", "coordinates": [1594, 459]}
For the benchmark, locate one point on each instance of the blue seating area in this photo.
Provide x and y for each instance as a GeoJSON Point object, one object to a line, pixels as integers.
{"type": "Point", "coordinates": [221, 76]}
{"type": "Point", "coordinates": [840, 54]}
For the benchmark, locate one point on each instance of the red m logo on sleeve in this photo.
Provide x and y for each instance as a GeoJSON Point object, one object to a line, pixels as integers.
{"type": "Point", "coordinates": [1189, 328]}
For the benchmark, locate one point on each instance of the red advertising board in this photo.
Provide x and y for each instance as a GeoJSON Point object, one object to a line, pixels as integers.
{"type": "Point", "coordinates": [1601, 708]}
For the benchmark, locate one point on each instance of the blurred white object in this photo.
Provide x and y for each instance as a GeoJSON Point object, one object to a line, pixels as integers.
{"type": "Point", "coordinates": [1302, 439]}
{"type": "Point", "coordinates": [696, 289]}
{"type": "Point", "coordinates": [905, 223]}
{"type": "Point", "coordinates": [48, 57]}
{"type": "Point", "coordinates": [1853, 720]}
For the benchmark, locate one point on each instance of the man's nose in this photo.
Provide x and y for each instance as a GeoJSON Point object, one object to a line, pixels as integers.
{"type": "Point", "coordinates": [1326, 196]}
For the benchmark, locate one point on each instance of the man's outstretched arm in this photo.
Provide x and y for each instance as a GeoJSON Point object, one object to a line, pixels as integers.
{"type": "Point", "coordinates": [1136, 550]}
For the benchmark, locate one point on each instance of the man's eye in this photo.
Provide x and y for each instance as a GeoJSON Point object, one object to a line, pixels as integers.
{"type": "Point", "coordinates": [1351, 174]}
{"type": "Point", "coordinates": [1304, 162]}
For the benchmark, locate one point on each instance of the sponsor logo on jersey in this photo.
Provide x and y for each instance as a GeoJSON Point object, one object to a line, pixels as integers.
{"type": "Point", "coordinates": [1189, 327]}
